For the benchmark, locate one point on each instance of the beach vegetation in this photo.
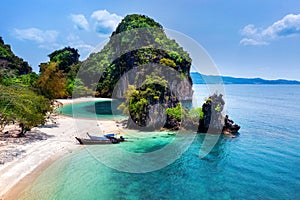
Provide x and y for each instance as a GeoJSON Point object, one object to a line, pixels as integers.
{"type": "Point", "coordinates": [22, 106]}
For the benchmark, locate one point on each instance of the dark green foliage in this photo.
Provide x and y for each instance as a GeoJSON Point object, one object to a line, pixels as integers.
{"type": "Point", "coordinates": [10, 64]}
{"type": "Point", "coordinates": [180, 113]}
{"type": "Point", "coordinates": [150, 93]}
{"type": "Point", "coordinates": [77, 88]}
{"type": "Point", "coordinates": [26, 80]}
{"type": "Point", "coordinates": [176, 112]}
{"type": "Point", "coordinates": [65, 58]}
{"type": "Point", "coordinates": [136, 21]}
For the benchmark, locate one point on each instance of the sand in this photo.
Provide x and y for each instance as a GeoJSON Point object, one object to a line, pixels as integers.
{"type": "Point", "coordinates": [46, 144]}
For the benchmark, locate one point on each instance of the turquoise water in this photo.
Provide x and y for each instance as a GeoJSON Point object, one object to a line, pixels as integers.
{"type": "Point", "coordinates": [262, 163]}
{"type": "Point", "coordinates": [101, 108]}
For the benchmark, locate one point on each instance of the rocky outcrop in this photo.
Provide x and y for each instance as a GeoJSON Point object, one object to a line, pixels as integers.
{"type": "Point", "coordinates": [213, 120]}
{"type": "Point", "coordinates": [229, 126]}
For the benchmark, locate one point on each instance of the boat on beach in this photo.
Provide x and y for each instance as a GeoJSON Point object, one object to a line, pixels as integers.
{"type": "Point", "coordinates": [96, 137]}
{"type": "Point", "coordinates": [107, 139]}
{"type": "Point", "coordinates": [93, 141]}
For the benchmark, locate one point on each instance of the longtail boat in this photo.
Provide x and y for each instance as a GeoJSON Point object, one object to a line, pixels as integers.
{"type": "Point", "coordinates": [96, 137]}
{"type": "Point", "coordinates": [92, 141]}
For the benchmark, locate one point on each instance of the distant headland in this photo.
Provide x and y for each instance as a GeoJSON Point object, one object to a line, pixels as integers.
{"type": "Point", "coordinates": [213, 79]}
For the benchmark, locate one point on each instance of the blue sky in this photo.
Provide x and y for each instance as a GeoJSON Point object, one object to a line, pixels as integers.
{"type": "Point", "coordinates": [244, 38]}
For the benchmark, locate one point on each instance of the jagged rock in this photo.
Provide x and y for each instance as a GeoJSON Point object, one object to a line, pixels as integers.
{"type": "Point", "coordinates": [229, 126]}
{"type": "Point", "coordinates": [172, 123]}
{"type": "Point", "coordinates": [214, 121]}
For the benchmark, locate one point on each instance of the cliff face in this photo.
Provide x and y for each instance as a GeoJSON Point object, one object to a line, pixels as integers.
{"type": "Point", "coordinates": [10, 64]}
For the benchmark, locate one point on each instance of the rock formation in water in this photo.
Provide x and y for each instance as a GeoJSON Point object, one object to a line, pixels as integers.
{"type": "Point", "coordinates": [213, 120]}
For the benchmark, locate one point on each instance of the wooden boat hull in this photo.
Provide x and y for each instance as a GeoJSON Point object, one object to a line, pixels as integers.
{"type": "Point", "coordinates": [91, 141]}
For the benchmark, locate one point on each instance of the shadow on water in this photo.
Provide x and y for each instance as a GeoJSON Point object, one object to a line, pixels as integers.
{"type": "Point", "coordinates": [218, 151]}
{"type": "Point", "coordinates": [108, 107]}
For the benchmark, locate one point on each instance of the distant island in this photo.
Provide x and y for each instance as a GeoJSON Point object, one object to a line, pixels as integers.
{"type": "Point", "coordinates": [212, 79]}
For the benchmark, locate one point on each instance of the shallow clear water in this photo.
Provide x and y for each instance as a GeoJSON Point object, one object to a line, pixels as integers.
{"type": "Point", "coordinates": [262, 163]}
{"type": "Point", "coordinates": [100, 108]}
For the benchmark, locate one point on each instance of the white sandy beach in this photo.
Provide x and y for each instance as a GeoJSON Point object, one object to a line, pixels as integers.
{"type": "Point", "coordinates": [54, 140]}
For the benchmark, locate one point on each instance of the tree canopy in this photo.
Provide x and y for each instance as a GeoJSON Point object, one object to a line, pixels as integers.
{"type": "Point", "coordinates": [65, 58]}
{"type": "Point", "coordinates": [22, 105]}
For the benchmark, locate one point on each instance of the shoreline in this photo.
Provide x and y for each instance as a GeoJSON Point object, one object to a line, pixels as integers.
{"type": "Point", "coordinates": [17, 190]}
{"type": "Point", "coordinates": [38, 155]}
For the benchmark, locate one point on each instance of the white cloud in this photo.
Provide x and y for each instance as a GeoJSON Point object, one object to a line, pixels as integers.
{"type": "Point", "coordinates": [105, 21]}
{"type": "Point", "coordinates": [75, 42]}
{"type": "Point", "coordinates": [80, 22]}
{"type": "Point", "coordinates": [286, 27]}
{"type": "Point", "coordinates": [254, 42]}
{"type": "Point", "coordinates": [37, 35]}
{"type": "Point", "coordinates": [249, 30]}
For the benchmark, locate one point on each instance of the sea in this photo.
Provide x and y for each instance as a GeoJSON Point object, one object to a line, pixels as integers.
{"type": "Point", "coordinates": [263, 162]}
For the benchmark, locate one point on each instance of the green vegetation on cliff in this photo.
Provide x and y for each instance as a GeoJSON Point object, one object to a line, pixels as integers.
{"type": "Point", "coordinates": [10, 64]}
{"type": "Point", "coordinates": [134, 21]}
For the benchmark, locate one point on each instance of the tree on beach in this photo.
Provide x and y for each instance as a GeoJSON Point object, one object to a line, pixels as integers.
{"type": "Point", "coordinates": [21, 105]}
